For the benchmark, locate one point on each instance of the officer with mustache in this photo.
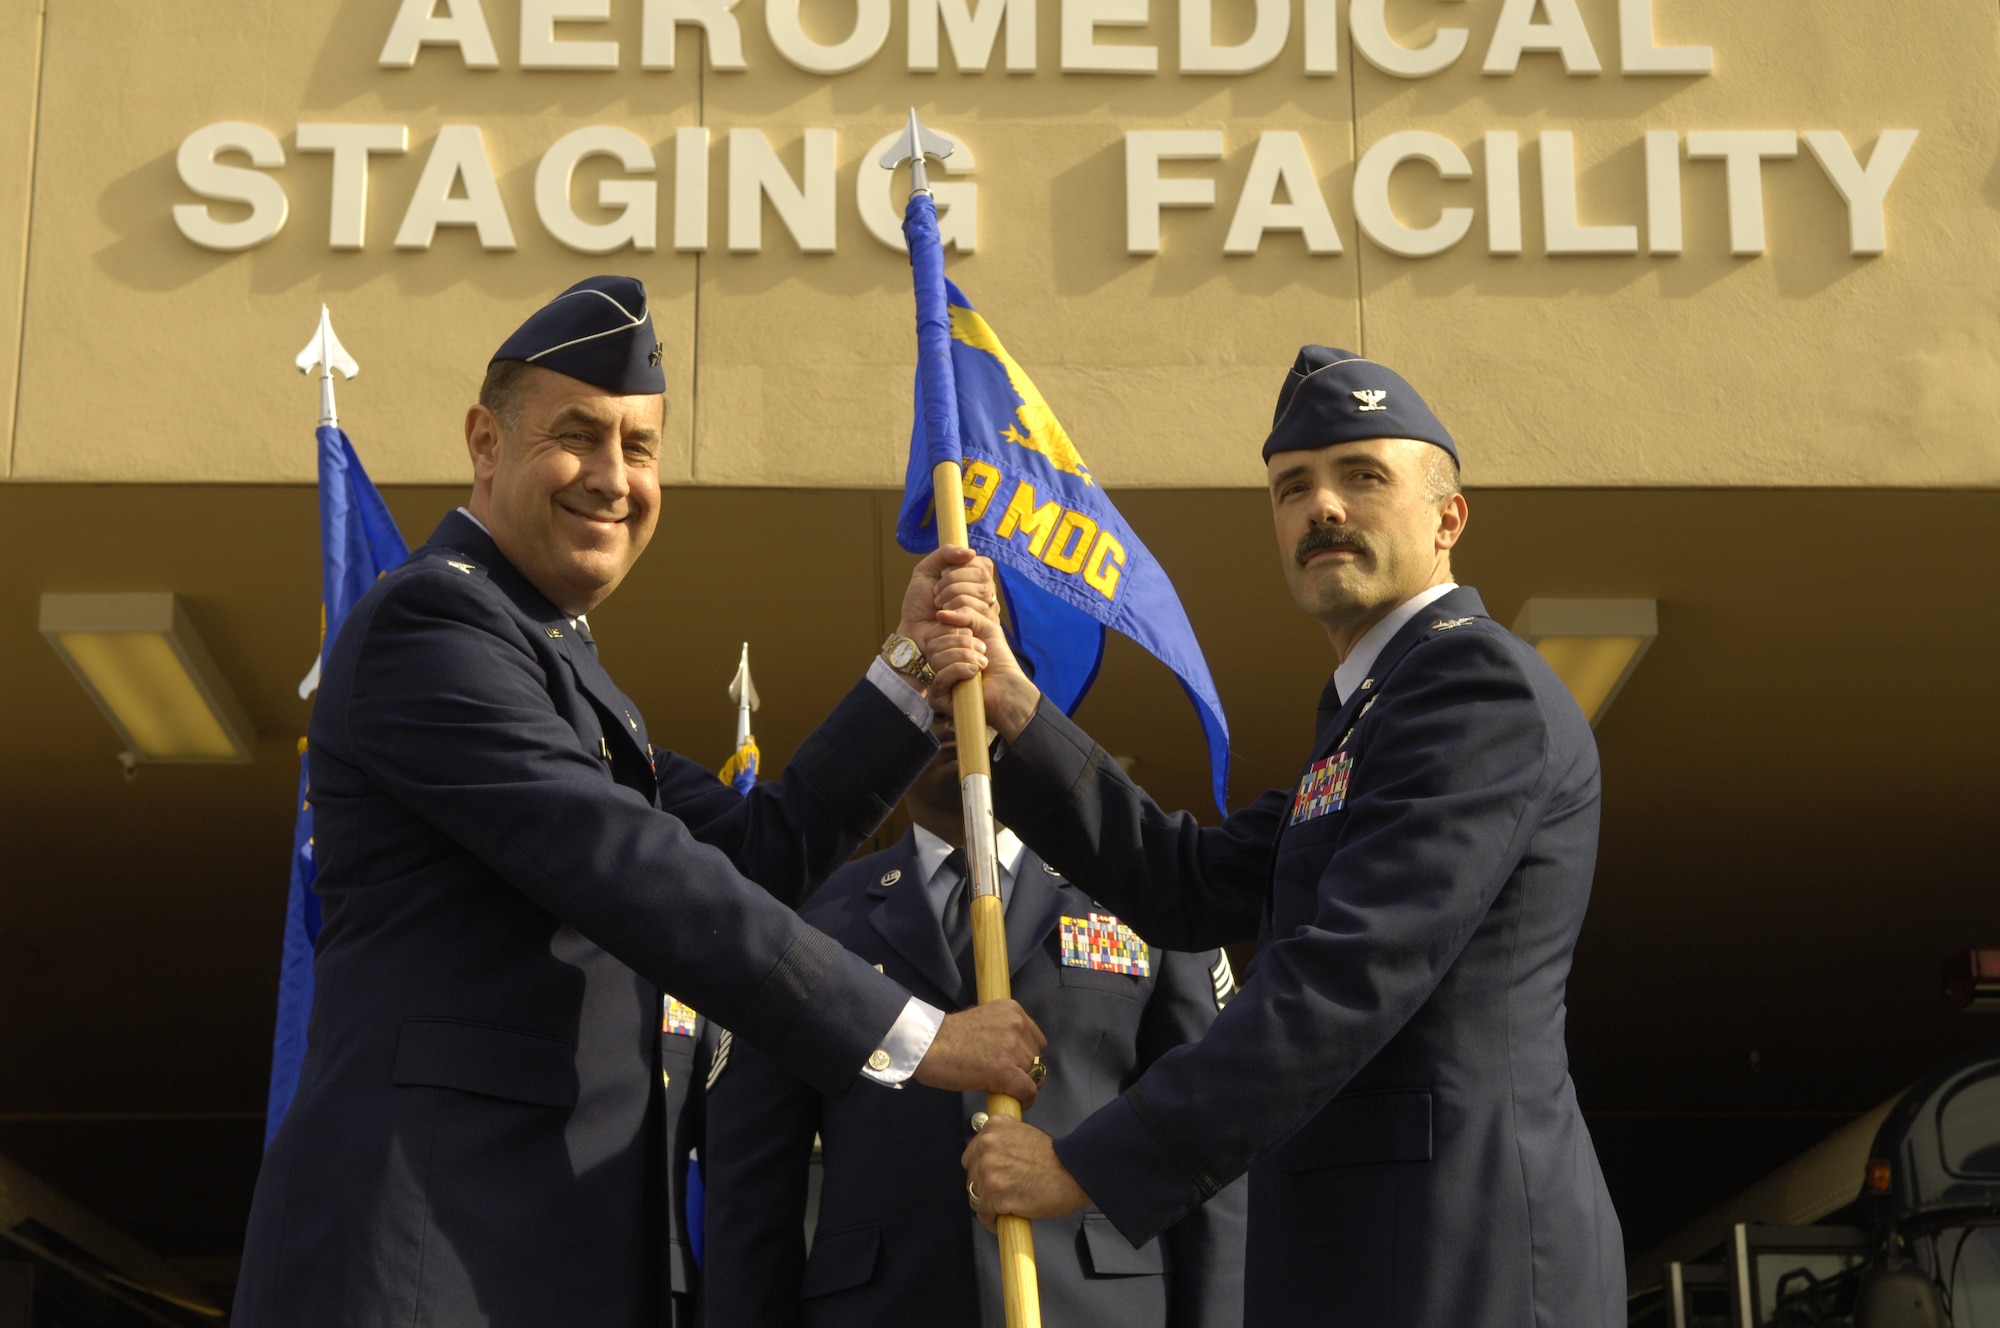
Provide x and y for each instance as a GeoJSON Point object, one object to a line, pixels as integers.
{"type": "Point", "coordinates": [1392, 1076]}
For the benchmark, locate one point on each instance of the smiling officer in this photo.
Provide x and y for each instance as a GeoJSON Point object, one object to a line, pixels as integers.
{"type": "Point", "coordinates": [511, 874]}
{"type": "Point", "coordinates": [1393, 1076]}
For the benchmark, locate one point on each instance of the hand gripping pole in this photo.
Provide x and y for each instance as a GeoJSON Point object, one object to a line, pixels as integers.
{"type": "Point", "coordinates": [989, 923]}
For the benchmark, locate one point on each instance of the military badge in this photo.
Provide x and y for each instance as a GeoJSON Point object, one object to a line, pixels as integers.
{"type": "Point", "coordinates": [1323, 790]}
{"type": "Point", "coordinates": [1446, 624]}
{"type": "Point", "coordinates": [1103, 944]}
{"type": "Point", "coordinates": [720, 1060]}
{"type": "Point", "coordinates": [676, 1020]}
{"type": "Point", "coordinates": [1223, 977]}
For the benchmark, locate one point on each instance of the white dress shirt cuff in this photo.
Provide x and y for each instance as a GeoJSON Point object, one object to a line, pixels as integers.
{"type": "Point", "coordinates": [909, 1038]}
{"type": "Point", "coordinates": [906, 695]}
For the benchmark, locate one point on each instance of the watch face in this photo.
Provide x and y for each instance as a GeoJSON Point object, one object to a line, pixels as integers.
{"type": "Point", "coordinates": [903, 654]}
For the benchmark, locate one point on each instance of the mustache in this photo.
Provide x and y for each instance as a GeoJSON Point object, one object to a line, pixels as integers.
{"type": "Point", "coordinates": [1328, 537]}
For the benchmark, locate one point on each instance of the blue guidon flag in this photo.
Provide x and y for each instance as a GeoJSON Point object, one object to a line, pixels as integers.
{"type": "Point", "coordinates": [1069, 564]}
{"type": "Point", "coordinates": [358, 543]}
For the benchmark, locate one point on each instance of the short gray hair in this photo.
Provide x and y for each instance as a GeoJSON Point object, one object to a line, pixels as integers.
{"type": "Point", "coordinates": [501, 392]}
{"type": "Point", "coordinates": [1440, 476]}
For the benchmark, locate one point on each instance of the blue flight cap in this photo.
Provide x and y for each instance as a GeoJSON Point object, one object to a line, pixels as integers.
{"type": "Point", "coordinates": [599, 331]}
{"type": "Point", "coordinates": [1334, 396]}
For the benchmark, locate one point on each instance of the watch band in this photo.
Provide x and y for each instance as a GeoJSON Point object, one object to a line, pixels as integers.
{"type": "Point", "coordinates": [906, 657]}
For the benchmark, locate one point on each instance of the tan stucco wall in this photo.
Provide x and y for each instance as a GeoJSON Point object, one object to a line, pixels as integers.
{"type": "Point", "coordinates": [147, 358]}
{"type": "Point", "coordinates": [20, 76]}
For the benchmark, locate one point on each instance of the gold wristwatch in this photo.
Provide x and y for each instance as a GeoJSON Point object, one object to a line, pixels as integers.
{"type": "Point", "coordinates": [902, 655]}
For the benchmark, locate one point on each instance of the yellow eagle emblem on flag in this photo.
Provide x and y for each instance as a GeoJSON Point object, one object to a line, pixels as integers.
{"type": "Point", "coordinates": [1043, 433]}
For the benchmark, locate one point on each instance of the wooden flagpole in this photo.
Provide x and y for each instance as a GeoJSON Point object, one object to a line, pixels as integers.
{"type": "Point", "coordinates": [1021, 1293]}
{"type": "Point", "coordinates": [989, 923]}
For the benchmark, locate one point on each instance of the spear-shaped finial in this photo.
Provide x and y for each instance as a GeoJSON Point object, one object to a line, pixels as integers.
{"type": "Point", "coordinates": [326, 353]}
{"type": "Point", "coordinates": [744, 693]}
{"type": "Point", "coordinates": [916, 144]}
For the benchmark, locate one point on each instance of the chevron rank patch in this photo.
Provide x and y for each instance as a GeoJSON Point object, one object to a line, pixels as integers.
{"type": "Point", "coordinates": [1323, 790]}
{"type": "Point", "coordinates": [720, 1060]}
{"type": "Point", "coordinates": [1103, 944]}
{"type": "Point", "coordinates": [676, 1020]}
{"type": "Point", "coordinates": [1223, 977]}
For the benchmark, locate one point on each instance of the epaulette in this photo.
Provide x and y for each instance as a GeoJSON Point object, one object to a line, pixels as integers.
{"type": "Point", "coordinates": [463, 565]}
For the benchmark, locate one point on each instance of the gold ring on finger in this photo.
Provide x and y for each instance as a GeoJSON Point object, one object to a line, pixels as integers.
{"type": "Point", "coordinates": [972, 1189]}
{"type": "Point", "coordinates": [1038, 1070]}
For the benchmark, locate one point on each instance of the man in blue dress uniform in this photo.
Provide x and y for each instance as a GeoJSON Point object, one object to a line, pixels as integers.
{"type": "Point", "coordinates": [511, 876]}
{"type": "Point", "coordinates": [1393, 1076]}
{"type": "Point", "coordinates": [893, 1243]}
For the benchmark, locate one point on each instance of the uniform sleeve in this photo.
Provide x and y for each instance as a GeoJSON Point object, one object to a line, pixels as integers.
{"type": "Point", "coordinates": [1449, 783]}
{"type": "Point", "coordinates": [1178, 884]}
{"type": "Point", "coordinates": [791, 832]}
{"type": "Point", "coordinates": [1204, 1248]}
{"type": "Point", "coordinates": [755, 1164]}
{"type": "Point", "coordinates": [449, 714]}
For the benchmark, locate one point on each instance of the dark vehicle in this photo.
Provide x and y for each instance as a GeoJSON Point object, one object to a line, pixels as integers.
{"type": "Point", "coordinates": [1891, 1222]}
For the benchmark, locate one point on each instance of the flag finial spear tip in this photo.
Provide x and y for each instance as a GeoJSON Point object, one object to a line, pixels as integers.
{"type": "Point", "coordinates": [741, 689]}
{"type": "Point", "coordinates": [325, 353]}
{"type": "Point", "coordinates": [915, 146]}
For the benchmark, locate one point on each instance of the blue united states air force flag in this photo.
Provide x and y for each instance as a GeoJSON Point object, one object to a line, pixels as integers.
{"type": "Point", "coordinates": [358, 542]}
{"type": "Point", "coordinates": [1069, 565]}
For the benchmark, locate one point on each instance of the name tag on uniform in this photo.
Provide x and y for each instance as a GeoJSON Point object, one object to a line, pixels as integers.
{"type": "Point", "coordinates": [1324, 788]}
{"type": "Point", "coordinates": [676, 1019]}
{"type": "Point", "coordinates": [1103, 944]}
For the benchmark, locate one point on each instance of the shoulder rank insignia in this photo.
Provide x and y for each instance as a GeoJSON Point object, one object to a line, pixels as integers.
{"type": "Point", "coordinates": [1223, 977]}
{"type": "Point", "coordinates": [1446, 624]}
{"type": "Point", "coordinates": [724, 1039]}
{"type": "Point", "coordinates": [1103, 944]}
{"type": "Point", "coordinates": [1323, 788]}
{"type": "Point", "coordinates": [676, 1019]}
{"type": "Point", "coordinates": [466, 568]}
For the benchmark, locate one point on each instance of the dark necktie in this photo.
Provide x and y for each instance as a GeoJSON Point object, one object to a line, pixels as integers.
{"type": "Point", "coordinates": [958, 920]}
{"type": "Point", "coordinates": [583, 630]}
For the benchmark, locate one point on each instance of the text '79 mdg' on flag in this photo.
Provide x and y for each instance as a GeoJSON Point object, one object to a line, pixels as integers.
{"type": "Point", "coordinates": [358, 542]}
{"type": "Point", "coordinates": [1069, 565]}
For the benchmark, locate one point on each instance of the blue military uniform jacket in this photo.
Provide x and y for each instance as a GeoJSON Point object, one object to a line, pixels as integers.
{"type": "Point", "coordinates": [1393, 1075]}
{"type": "Point", "coordinates": [896, 1241]}
{"type": "Point", "coordinates": [510, 874]}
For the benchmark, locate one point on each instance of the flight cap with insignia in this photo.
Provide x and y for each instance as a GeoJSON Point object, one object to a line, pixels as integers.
{"type": "Point", "coordinates": [1334, 396]}
{"type": "Point", "coordinates": [599, 331]}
